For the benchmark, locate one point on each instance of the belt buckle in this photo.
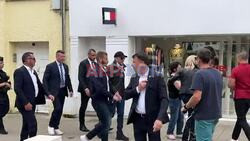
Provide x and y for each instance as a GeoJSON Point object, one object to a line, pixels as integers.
{"type": "Point", "coordinates": [142, 115]}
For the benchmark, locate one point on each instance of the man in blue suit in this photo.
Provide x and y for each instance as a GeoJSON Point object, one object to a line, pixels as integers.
{"type": "Point", "coordinates": [56, 81]}
{"type": "Point", "coordinates": [29, 93]}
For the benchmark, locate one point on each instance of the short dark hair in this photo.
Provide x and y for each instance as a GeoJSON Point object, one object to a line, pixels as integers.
{"type": "Point", "coordinates": [213, 52]}
{"type": "Point", "coordinates": [214, 57]}
{"type": "Point", "coordinates": [100, 54]}
{"type": "Point", "coordinates": [173, 66]}
{"type": "Point", "coordinates": [1, 58]}
{"type": "Point", "coordinates": [60, 51]}
{"type": "Point", "coordinates": [204, 55]}
{"type": "Point", "coordinates": [26, 55]}
{"type": "Point", "coordinates": [91, 50]}
{"type": "Point", "coordinates": [143, 57]}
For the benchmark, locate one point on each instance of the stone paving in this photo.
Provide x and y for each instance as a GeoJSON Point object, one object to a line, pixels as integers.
{"type": "Point", "coordinates": [72, 133]}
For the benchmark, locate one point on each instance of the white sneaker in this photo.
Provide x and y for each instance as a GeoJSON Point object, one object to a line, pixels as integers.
{"type": "Point", "coordinates": [171, 137]}
{"type": "Point", "coordinates": [234, 140]}
{"type": "Point", "coordinates": [84, 138]}
{"type": "Point", "coordinates": [51, 131]}
{"type": "Point", "coordinates": [58, 132]}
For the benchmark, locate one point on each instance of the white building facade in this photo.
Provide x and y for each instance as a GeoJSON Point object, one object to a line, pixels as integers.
{"type": "Point", "coordinates": [223, 24]}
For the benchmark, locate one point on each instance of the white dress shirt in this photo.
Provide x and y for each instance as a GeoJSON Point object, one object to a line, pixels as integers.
{"type": "Point", "coordinates": [34, 79]}
{"type": "Point", "coordinates": [108, 87]}
{"type": "Point", "coordinates": [92, 66]}
{"type": "Point", "coordinates": [141, 108]}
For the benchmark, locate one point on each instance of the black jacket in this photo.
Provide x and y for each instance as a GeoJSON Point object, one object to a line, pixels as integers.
{"type": "Point", "coordinates": [156, 100]}
{"type": "Point", "coordinates": [186, 78]}
{"type": "Point", "coordinates": [84, 72]}
{"type": "Point", "coordinates": [51, 79]}
{"type": "Point", "coordinates": [116, 78]}
{"type": "Point", "coordinates": [99, 89]}
{"type": "Point", "coordinates": [4, 78]}
{"type": "Point", "coordinates": [25, 90]}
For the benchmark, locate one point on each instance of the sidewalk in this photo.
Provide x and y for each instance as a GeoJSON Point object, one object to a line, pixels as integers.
{"type": "Point", "coordinates": [72, 133]}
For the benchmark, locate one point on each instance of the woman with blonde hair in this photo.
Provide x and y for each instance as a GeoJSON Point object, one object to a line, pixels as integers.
{"type": "Point", "coordinates": [186, 76]}
{"type": "Point", "coordinates": [190, 62]}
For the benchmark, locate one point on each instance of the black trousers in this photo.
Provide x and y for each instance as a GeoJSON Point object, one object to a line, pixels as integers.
{"type": "Point", "coordinates": [29, 128]}
{"type": "Point", "coordinates": [58, 104]}
{"type": "Point", "coordinates": [104, 115]}
{"type": "Point", "coordinates": [188, 132]}
{"type": "Point", "coordinates": [144, 128]}
{"type": "Point", "coordinates": [4, 107]}
{"type": "Point", "coordinates": [82, 111]}
{"type": "Point", "coordinates": [241, 107]}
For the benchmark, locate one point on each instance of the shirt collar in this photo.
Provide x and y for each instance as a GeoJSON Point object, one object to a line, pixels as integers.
{"type": "Point", "coordinates": [90, 61]}
{"type": "Point", "coordinates": [29, 69]}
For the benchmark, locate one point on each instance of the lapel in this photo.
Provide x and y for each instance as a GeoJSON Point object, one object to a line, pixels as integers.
{"type": "Point", "coordinates": [56, 68]}
{"type": "Point", "coordinates": [136, 80]}
{"type": "Point", "coordinates": [28, 76]}
{"type": "Point", "coordinates": [149, 84]}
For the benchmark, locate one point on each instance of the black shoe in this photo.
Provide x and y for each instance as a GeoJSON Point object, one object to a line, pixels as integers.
{"type": "Point", "coordinates": [3, 132]}
{"type": "Point", "coordinates": [192, 137]}
{"type": "Point", "coordinates": [121, 136]}
{"type": "Point", "coordinates": [84, 129]}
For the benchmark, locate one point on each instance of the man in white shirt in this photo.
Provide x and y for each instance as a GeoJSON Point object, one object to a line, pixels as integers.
{"type": "Point", "coordinates": [85, 69]}
{"type": "Point", "coordinates": [29, 93]}
{"type": "Point", "coordinates": [149, 107]}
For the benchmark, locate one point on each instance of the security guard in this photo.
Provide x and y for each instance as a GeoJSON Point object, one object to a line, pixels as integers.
{"type": "Point", "coordinates": [5, 85]}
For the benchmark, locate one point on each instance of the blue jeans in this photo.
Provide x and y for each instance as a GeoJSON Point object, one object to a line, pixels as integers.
{"type": "Point", "coordinates": [176, 116]}
{"type": "Point", "coordinates": [120, 115]}
{"type": "Point", "coordinates": [103, 112]}
{"type": "Point", "coordinates": [204, 129]}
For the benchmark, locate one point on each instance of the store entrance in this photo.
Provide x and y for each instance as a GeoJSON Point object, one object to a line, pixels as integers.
{"type": "Point", "coordinates": [178, 48]}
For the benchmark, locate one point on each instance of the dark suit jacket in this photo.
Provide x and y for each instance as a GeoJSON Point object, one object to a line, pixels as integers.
{"type": "Point", "coordinates": [99, 89]}
{"type": "Point", "coordinates": [25, 90]}
{"type": "Point", "coordinates": [116, 78]}
{"type": "Point", "coordinates": [51, 79]}
{"type": "Point", "coordinates": [83, 72]}
{"type": "Point", "coordinates": [156, 100]}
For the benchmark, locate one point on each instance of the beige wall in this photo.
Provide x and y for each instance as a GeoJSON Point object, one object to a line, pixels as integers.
{"type": "Point", "coordinates": [28, 21]}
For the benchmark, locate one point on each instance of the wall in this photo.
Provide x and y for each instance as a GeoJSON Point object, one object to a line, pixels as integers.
{"type": "Point", "coordinates": [2, 27]}
{"type": "Point", "coordinates": [162, 17]}
{"type": "Point", "coordinates": [29, 21]}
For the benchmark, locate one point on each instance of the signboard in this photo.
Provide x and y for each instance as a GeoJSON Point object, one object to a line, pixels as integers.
{"type": "Point", "coordinates": [108, 15]}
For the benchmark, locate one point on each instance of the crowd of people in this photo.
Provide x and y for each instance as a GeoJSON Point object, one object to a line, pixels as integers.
{"type": "Point", "coordinates": [195, 89]}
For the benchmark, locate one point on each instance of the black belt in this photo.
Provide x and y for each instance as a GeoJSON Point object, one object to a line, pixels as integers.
{"type": "Point", "coordinates": [140, 115]}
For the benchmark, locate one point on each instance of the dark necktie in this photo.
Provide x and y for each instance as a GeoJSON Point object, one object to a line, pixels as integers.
{"type": "Point", "coordinates": [62, 82]}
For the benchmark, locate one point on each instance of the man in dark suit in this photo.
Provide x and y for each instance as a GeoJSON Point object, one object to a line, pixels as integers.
{"type": "Point", "coordinates": [85, 68]}
{"type": "Point", "coordinates": [56, 81]}
{"type": "Point", "coordinates": [149, 108]}
{"type": "Point", "coordinates": [117, 77]}
{"type": "Point", "coordinates": [102, 99]}
{"type": "Point", "coordinates": [29, 93]}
